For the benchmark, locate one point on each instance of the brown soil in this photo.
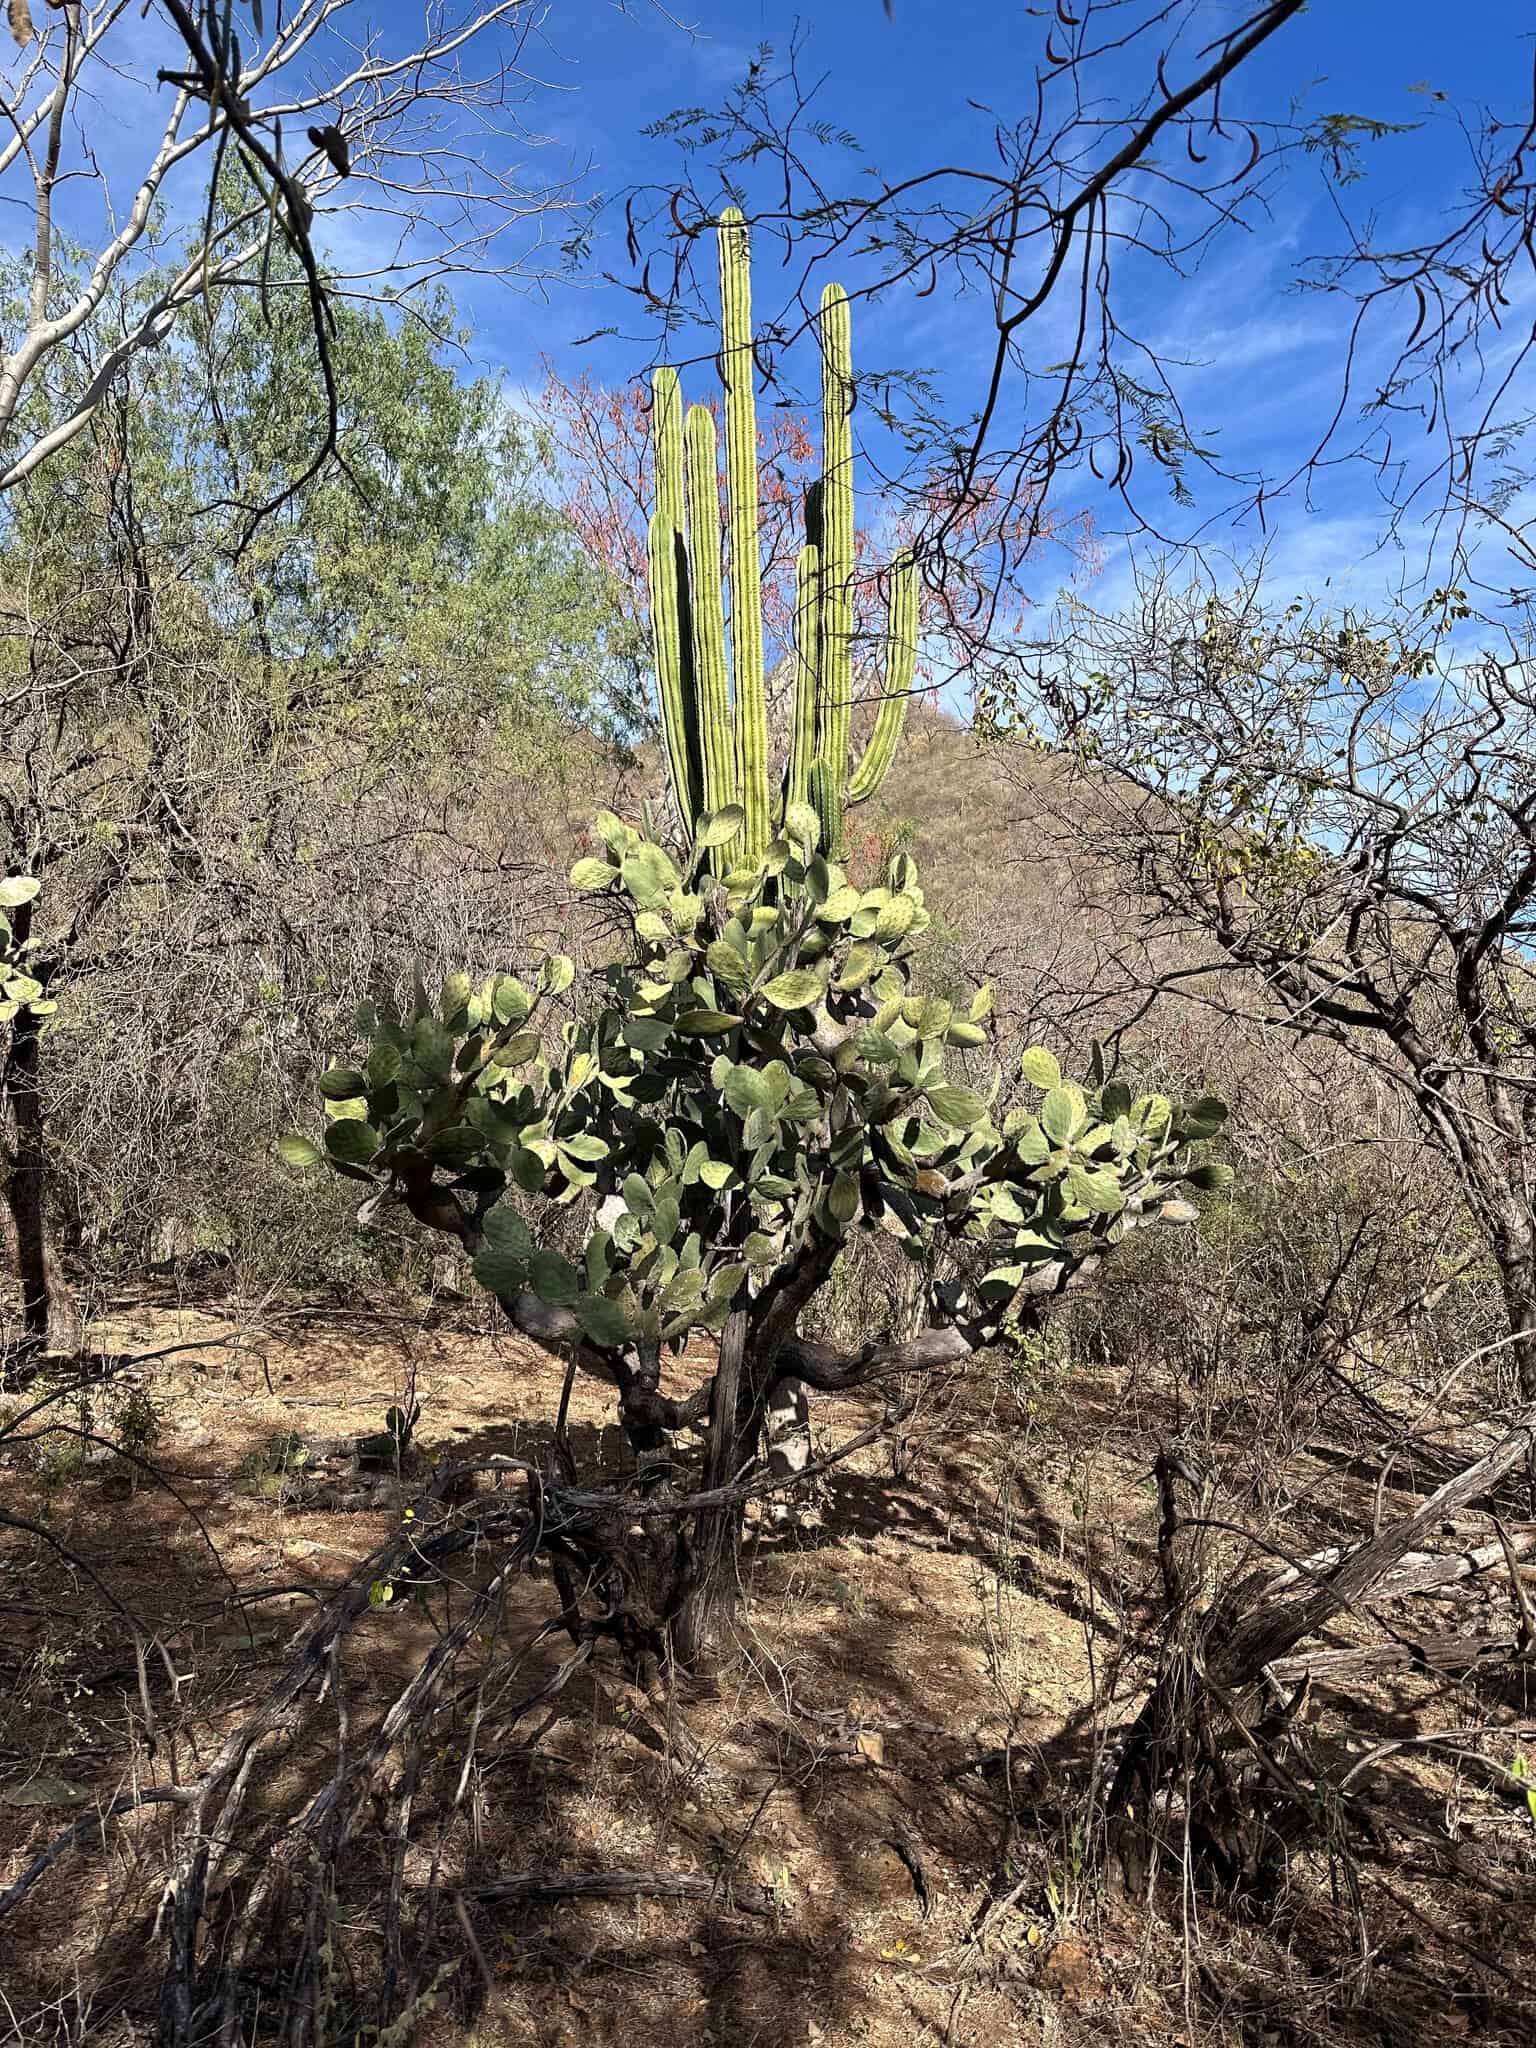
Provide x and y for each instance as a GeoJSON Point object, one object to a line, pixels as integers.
{"type": "Point", "coordinates": [974, 1585]}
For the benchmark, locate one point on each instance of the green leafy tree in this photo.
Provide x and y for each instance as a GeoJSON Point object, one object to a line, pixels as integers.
{"type": "Point", "coordinates": [233, 753]}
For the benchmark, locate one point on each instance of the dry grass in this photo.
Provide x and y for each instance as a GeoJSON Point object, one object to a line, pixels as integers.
{"type": "Point", "coordinates": [929, 1676]}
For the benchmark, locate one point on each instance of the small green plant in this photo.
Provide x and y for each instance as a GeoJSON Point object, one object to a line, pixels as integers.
{"type": "Point", "coordinates": [134, 1420]}
{"type": "Point", "coordinates": [1520, 1771]}
{"type": "Point", "coordinates": [266, 1472]}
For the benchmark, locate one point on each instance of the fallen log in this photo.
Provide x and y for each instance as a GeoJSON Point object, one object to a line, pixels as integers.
{"type": "Point", "coordinates": [1425, 1653]}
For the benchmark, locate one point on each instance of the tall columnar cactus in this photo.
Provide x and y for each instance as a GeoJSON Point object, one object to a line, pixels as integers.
{"type": "Point", "coordinates": [714, 714]}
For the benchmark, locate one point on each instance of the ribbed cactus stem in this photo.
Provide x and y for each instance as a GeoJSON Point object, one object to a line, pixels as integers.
{"type": "Point", "coordinates": [713, 711]}
{"type": "Point", "coordinates": [716, 737]}
{"type": "Point", "coordinates": [835, 664]}
{"type": "Point", "coordinates": [802, 738]}
{"type": "Point", "coordinates": [900, 665]}
{"type": "Point", "coordinates": [738, 367]}
{"type": "Point", "coordinates": [667, 445]}
{"type": "Point", "coordinates": [671, 610]}
{"type": "Point", "coordinates": [672, 639]}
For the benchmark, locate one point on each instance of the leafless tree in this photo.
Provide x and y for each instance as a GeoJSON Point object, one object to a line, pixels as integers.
{"type": "Point", "coordinates": [1338, 812]}
{"type": "Point", "coordinates": [1149, 141]}
{"type": "Point", "coordinates": [373, 153]}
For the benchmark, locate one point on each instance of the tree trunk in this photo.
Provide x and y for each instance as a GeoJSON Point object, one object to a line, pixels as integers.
{"type": "Point", "coordinates": [48, 1315]}
{"type": "Point", "coordinates": [708, 1608]}
{"type": "Point", "coordinates": [1517, 1278]}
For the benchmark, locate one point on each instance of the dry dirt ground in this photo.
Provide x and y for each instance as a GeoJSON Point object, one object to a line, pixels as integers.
{"type": "Point", "coordinates": [905, 1755]}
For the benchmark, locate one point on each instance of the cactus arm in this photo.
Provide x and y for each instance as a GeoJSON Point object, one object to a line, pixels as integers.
{"type": "Point", "coordinates": [671, 611]}
{"type": "Point", "coordinates": [667, 445]}
{"type": "Point", "coordinates": [836, 658]}
{"type": "Point", "coordinates": [737, 368]}
{"type": "Point", "coordinates": [900, 662]}
{"type": "Point", "coordinates": [717, 740]}
{"type": "Point", "coordinates": [802, 739]}
{"type": "Point", "coordinates": [672, 637]}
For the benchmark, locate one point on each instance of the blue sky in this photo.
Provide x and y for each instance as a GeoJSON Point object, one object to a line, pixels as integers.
{"type": "Point", "coordinates": [1260, 364]}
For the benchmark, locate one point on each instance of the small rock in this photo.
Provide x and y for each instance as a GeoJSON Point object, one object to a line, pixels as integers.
{"type": "Point", "coordinates": [43, 1791]}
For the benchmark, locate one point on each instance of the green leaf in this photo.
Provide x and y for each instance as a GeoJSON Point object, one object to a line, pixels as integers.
{"type": "Point", "coordinates": [1203, 1119]}
{"type": "Point", "coordinates": [1040, 1068]}
{"type": "Point", "coordinates": [554, 1279]}
{"type": "Point", "coordinates": [746, 1090]}
{"type": "Point", "coordinates": [797, 989]}
{"type": "Point", "coordinates": [343, 1084]}
{"type": "Point", "coordinates": [715, 1173]}
{"type": "Point", "coordinates": [556, 975]}
{"type": "Point", "coordinates": [961, 1108]}
{"type": "Point", "coordinates": [501, 1270]}
{"type": "Point", "coordinates": [585, 1146]}
{"type": "Point", "coordinates": [510, 1000]}
{"type": "Point", "coordinates": [727, 965]}
{"type": "Point", "coordinates": [638, 1199]}
{"type": "Point", "coordinates": [527, 1169]}
{"type": "Point", "coordinates": [861, 962]}
{"type": "Point", "coordinates": [352, 1142]}
{"type": "Point", "coordinates": [1096, 1189]}
{"type": "Point", "coordinates": [1063, 1113]}
{"type": "Point", "coordinates": [592, 875]}
{"type": "Point", "coordinates": [839, 906]}
{"type": "Point", "coordinates": [1153, 1113]}
{"type": "Point", "coordinates": [706, 1023]}
{"type": "Point", "coordinates": [432, 1046]}
{"type": "Point", "coordinates": [843, 1197]}
{"type": "Point", "coordinates": [455, 1147]}
{"type": "Point", "coordinates": [647, 873]}
{"type": "Point", "coordinates": [1210, 1177]}
{"type": "Point", "coordinates": [294, 1149]}
{"type": "Point", "coordinates": [17, 889]}
{"type": "Point", "coordinates": [895, 918]}
{"type": "Point", "coordinates": [725, 1283]}
{"type": "Point", "coordinates": [506, 1231]}
{"type": "Point", "coordinates": [522, 1045]}
{"type": "Point", "coordinates": [454, 1001]}
{"type": "Point", "coordinates": [720, 827]}
{"type": "Point", "coordinates": [383, 1064]}
{"type": "Point", "coordinates": [803, 826]}
{"type": "Point", "coordinates": [603, 1320]}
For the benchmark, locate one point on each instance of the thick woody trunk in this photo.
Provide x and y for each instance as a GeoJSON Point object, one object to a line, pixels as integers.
{"type": "Point", "coordinates": [703, 1623]}
{"type": "Point", "coordinates": [48, 1315]}
{"type": "Point", "coordinates": [1517, 1277]}
{"type": "Point", "coordinates": [25, 1190]}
